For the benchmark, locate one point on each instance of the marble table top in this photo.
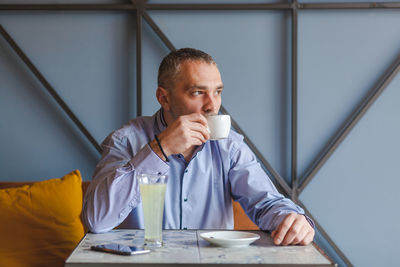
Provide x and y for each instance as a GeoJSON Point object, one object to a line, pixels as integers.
{"type": "Point", "coordinates": [187, 248]}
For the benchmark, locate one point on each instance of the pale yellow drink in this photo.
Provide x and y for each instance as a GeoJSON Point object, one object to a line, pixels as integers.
{"type": "Point", "coordinates": [153, 195]}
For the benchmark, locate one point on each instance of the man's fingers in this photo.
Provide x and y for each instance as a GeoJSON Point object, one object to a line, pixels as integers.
{"type": "Point", "coordinates": [197, 117]}
{"type": "Point", "coordinates": [198, 138]}
{"type": "Point", "coordinates": [308, 238]}
{"type": "Point", "coordinates": [296, 230]}
{"type": "Point", "coordinates": [300, 236]}
{"type": "Point", "coordinates": [201, 129]}
{"type": "Point", "coordinates": [283, 228]}
{"type": "Point", "coordinates": [195, 122]}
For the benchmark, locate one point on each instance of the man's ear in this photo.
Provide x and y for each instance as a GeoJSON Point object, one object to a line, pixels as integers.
{"type": "Point", "coordinates": [162, 95]}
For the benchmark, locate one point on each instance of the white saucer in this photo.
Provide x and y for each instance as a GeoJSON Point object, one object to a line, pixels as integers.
{"type": "Point", "coordinates": [230, 239]}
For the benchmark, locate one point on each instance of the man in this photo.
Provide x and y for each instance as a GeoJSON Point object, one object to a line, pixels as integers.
{"type": "Point", "coordinates": [204, 175]}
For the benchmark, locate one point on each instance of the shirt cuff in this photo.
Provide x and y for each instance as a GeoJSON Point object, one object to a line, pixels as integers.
{"type": "Point", "coordinates": [147, 161]}
{"type": "Point", "coordinates": [311, 222]}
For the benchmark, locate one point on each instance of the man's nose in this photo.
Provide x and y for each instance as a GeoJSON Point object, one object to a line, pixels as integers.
{"type": "Point", "coordinates": [211, 104]}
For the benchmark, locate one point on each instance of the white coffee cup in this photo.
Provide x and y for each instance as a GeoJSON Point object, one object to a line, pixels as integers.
{"type": "Point", "coordinates": [219, 126]}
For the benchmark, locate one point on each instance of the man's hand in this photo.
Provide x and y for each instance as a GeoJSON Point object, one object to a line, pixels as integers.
{"type": "Point", "coordinates": [293, 230]}
{"type": "Point", "coordinates": [184, 133]}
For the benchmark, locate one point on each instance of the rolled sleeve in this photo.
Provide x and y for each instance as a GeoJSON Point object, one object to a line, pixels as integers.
{"type": "Point", "coordinates": [147, 161]}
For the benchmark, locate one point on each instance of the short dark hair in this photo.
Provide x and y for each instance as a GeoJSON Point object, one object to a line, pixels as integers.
{"type": "Point", "coordinates": [170, 65]}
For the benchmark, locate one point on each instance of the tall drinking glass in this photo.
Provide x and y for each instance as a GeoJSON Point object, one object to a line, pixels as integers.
{"type": "Point", "coordinates": [152, 189]}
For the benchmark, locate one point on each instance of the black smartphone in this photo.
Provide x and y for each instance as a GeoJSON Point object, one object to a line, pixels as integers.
{"type": "Point", "coordinates": [120, 249]}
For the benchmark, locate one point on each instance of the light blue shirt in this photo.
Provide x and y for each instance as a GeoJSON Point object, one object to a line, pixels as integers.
{"type": "Point", "coordinates": [199, 193]}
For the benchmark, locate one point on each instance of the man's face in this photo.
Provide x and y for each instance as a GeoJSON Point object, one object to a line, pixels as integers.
{"type": "Point", "coordinates": [197, 90]}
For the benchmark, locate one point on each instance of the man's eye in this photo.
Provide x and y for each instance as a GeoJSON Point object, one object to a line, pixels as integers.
{"type": "Point", "coordinates": [196, 93]}
{"type": "Point", "coordinates": [218, 92]}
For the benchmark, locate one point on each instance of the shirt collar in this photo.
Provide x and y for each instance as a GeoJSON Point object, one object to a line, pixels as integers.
{"type": "Point", "coordinates": [160, 121]}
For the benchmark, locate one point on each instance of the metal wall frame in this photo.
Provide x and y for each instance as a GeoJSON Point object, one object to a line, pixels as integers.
{"type": "Point", "coordinates": [139, 9]}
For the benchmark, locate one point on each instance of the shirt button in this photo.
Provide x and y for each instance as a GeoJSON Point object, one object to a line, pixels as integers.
{"type": "Point", "coordinates": [185, 199]}
{"type": "Point", "coordinates": [186, 170]}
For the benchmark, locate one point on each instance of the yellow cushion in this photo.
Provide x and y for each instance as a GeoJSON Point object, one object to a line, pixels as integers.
{"type": "Point", "coordinates": [40, 224]}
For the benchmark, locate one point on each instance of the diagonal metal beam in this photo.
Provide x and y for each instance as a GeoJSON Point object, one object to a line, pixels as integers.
{"type": "Point", "coordinates": [326, 236]}
{"type": "Point", "coordinates": [49, 88]}
{"type": "Point", "coordinates": [158, 31]}
{"type": "Point", "coordinates": [349, 124]}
